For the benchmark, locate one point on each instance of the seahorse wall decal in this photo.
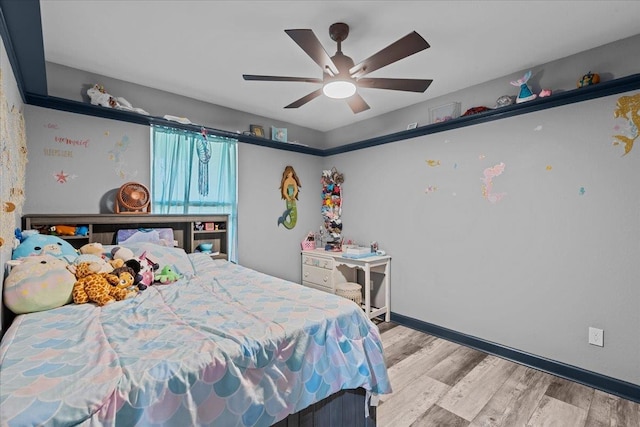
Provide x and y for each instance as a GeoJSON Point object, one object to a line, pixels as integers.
{"type": "Point", "coordinates": [628, 107]}
{"type": "Point", "coordinates": [289, 186]}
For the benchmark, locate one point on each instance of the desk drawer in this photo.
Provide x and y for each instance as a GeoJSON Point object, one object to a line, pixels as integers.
{"type": "Point", "coordinates": [316, 275]}
{"type": "Point", "coordinates": [318, 287]}
{"type": "Point", "coordinates": [325, 263]}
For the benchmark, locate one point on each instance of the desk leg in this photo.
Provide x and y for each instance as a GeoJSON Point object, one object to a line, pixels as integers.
{"type": "Point", "coordinates": [367, 290]}
{"type": "Point", "coordinates": [387, 291]}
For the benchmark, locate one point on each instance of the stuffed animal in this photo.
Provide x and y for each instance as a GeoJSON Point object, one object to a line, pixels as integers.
{"type": "Point", "coordinates": [102, 264]}
{"type": "Point", "coordinates": [92, 248]}
{"type": "Point", "coordinates": [38, 283]}
{"type": "Point", "coordinates": [126, 279]}
{"type": "Point", "coordinates": [99, 96]}
{"type": "Point", "coordinates": [122, 253]}
{"type": "Point", "coordinates": [167, 275]}
{"type": "Point", "coordinates": [101, 288]}
{"type": "Point", "coordinates": [41, 244]}
{"type": "Point", "coordinates": [147, 269]}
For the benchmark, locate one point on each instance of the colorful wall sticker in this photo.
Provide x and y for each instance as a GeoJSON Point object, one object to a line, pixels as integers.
{"type": "Point", "coordinates": [289, 188]}
{"type": "Point", "coordinates": [628, 107]}
{"type": "Point", "coordinates": [582, 191]}
{"type": "Point", "coordinates": [431, 189]}
{"type": "Point", "coordinates": [433, 163]}
{"type": "Point", "coordinates": [487, 183]}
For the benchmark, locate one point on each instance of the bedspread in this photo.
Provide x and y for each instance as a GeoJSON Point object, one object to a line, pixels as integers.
{"type": "Point", "coordinates": [229, 347]}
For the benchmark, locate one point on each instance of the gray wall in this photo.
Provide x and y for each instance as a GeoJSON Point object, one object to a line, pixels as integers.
{"type": "Point", "coordinates": [532, 271]}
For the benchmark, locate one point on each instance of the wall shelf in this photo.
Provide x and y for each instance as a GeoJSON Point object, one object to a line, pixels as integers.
{"type": "Point", "coordinates": [612, 87]}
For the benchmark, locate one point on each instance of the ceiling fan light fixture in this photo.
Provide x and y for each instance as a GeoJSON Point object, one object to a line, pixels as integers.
{"type": "Point", "coordinates": [339, 89]}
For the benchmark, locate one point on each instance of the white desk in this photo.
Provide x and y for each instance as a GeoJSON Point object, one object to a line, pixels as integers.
{"type": "Point", "coordinates": [321, 270]}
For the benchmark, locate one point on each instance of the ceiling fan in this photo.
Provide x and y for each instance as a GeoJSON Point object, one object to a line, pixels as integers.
{"type": "Point", "coordinates": [341, 78]}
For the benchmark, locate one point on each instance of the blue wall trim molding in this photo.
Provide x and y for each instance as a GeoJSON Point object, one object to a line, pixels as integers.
{"type": "Point", "coordinates": [21, 31]}
{"type": "Point", "coordinates": [607, 384]}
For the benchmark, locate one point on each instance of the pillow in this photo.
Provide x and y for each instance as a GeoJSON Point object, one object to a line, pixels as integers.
{"type": "Point", "coordinates": [41, 244]}
{"type": "Point", "coordinates": [38, 283]}
{"type": "Point", "coordinates": [164, 255]}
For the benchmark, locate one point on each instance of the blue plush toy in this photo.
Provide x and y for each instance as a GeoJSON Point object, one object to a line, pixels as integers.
{"type": "Point", "coordinates": [41, 244]}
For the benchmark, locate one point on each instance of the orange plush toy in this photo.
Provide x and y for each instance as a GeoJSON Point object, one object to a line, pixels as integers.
{"type": "Point", "coordinates": [101, 288]}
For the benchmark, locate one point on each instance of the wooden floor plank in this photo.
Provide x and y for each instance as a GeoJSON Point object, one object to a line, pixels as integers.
{"type": "Point", "coordinates": [404, 372]}
{"type": "Point", "coordinates": [553, 412]}
{"type": "Point", "coordinates": [385, 326]}
{"type": "Point", "coordinates": [517, 399]}
{"type": "Point", "coordinates": [457, 365]}
{"type": "Point", "coordinates": [570, 392]}
{"type": "Point", "coordinates": [394, 336]}
{"type": "Point", "coordinates": [626, 413]}
{"type": "Point", "coordinates": [412, 343]}
{"type": "Point", "coordinates": [599, 414]}
{"type": "Point", "coordinates": [436, 417]}
{"type": "Point", "coordinates": [409, 403]}
{"type": "Point", "coordinates": [467, 398]}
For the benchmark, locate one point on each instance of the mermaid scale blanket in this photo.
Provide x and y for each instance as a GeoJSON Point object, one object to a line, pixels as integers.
{"type": "Point", "coordinates": [227, 347]}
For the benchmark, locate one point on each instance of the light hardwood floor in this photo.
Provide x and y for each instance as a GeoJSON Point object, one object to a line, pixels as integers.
{"type": "Point", "coordinates": [440, 383]}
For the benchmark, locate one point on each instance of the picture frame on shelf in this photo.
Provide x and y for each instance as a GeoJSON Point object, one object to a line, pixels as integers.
{"type": "Point", "coordinates": [257, 130]}
{"type": "Point", "coordinates": [412, 125]}
{"type": "Point", "coordinates": [279, 134]}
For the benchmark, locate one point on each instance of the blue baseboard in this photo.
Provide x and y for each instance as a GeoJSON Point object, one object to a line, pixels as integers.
{"type": "Point", "coordinates": [607, 384]}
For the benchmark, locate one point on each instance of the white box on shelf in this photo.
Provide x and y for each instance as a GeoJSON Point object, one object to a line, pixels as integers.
{"type": "Point", "coordinates": [445, 112]}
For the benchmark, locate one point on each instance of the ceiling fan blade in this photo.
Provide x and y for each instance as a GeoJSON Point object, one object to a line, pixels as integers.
{"type": "Point", "coordinates": [281, 78]}
{"type": "Point", "coordinates": [408, 85]}
{"type": "Point", "coordinates": [311, 45]}
{"type": "Point", "coordinates": [300, 102]}
{"type": "Point", "coordinates": [406, 46]}
{"type": "Point", "coordinates": [357, 103]}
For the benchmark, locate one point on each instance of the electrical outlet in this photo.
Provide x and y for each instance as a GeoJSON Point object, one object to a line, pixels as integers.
{"type": "Point", "coordinates": [371, 284]}
{"type": "Point", "coordinates": [596, 336]}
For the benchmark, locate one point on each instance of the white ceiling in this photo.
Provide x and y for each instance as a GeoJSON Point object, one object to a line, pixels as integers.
{"type": "Point", "coordinates": [200, 49]}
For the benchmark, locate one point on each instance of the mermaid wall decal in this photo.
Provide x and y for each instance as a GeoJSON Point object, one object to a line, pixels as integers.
{"type": "Point", "coordinates": [289, 187]}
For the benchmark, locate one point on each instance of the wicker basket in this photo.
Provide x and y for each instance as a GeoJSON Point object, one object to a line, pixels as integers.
{"type": "Point", "coordinates": [350, 290]}
{"type": "Point", "coordinates": [309, 243]}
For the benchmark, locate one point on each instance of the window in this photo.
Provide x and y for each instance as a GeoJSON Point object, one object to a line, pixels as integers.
{"type": "Point", "coordinates": [195, 173]}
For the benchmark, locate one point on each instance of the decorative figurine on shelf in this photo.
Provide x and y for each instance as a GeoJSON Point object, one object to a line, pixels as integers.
{"type": "Point", "coordinates": [289, 186]}
{"type": "Point", "coordinates": [589, 79]}
{"type": "Point", "coordinates": [525, 93]}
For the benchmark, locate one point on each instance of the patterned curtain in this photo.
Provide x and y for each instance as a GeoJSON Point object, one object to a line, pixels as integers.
{"type": "Point", "coordinates": [195, 173]}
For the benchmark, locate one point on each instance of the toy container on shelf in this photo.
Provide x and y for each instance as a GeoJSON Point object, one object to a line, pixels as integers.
{"type": "Point", "coordinates": [445, 112]}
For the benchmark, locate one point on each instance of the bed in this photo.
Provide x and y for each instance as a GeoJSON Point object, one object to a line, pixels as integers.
{"type": "Point", "coordinates": [223, 346]}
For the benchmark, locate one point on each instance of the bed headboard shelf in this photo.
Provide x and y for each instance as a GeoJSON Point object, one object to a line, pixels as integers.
{"type": "Point", "coordinates": [189, 230]}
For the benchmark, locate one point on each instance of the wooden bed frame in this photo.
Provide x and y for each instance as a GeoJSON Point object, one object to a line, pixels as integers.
{"type": "Point", "coordinates": [343, 409]}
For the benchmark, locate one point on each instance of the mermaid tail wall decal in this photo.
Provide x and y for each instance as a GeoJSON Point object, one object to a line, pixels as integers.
{"type": "Point", "coordinates": [289, 186]}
